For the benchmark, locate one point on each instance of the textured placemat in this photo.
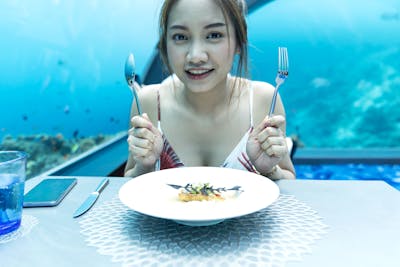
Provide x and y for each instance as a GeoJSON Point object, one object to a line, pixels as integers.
{"type": "Point", "coordinates": [27, 223]}
{"type": "Point", "coordinates": [283, 232]}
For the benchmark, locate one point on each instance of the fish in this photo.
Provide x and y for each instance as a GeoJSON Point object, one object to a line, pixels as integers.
{"type": "Point", "coordinates": [390, 16]}
{"type": "Point", "coordinates": [75, 133]}
{"type": "Point", "coordinates": [60, 62]}
{"type": "Point", "coordinates": [66, 109]}
{"type": "Point", "coordinates": [75, 148]}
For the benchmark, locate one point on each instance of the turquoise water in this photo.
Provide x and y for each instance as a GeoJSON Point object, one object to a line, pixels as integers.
{"type": "Point", "coordinates": [390, 173]}
{"type": "Point", "coordinates": [62, 64]}
{"type": "Point", "coordinates": [343, 85]}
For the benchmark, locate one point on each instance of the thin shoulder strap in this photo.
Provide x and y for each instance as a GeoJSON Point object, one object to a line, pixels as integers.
{"type": "Point", "coordinates": [251, 105]}
{"type": "Point", "coordinates": [158, 111]}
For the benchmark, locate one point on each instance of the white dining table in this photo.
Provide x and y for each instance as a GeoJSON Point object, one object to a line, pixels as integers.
{"type": "Point", "coordinates": [313, 223]}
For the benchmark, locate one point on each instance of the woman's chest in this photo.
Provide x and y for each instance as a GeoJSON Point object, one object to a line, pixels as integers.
{"type": "Point", "coordinates": [203, 143]}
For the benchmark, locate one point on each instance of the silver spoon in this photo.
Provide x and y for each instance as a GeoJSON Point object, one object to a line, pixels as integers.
{"type": "Point", "coordinates": [130, 78]}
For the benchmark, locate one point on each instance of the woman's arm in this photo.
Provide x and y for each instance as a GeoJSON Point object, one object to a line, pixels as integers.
{"type": "Point", "coordinates": [144, 140]}
{"type": "Point", "coordinates": [267, 147]}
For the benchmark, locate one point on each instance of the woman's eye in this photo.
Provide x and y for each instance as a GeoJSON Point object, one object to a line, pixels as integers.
{"type": "Point", "coordinates": [215, 35]}
{"type": "Point", "coordinates": [178, 37]}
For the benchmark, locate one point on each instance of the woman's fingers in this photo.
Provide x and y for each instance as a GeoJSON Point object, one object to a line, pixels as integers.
{"type": "Point", "coordinates": [271, 138]}
{"type": "Point", "coordinates": [276, 151]}
{"type": "Point", "coordinates": [143, 128]}
{"type": "Point", "coordinates": [139, 152]}
{"type": "Point", "coordinates": [271, 141]}
{"type": "Point", "coordinates": [274, 146]}
{"type": "Point", "coordinates": [145, 141]}
{"type": "Point", "coordinates": [275, 122]}
{"type": "Point", "coordinates": [141, 122]}
{"type": "Point", "coordinates": [144, 122]}
{"type": "Point", "coordinates": [269, 132]}
{"type": "Point", "coordinates": [142, 133]}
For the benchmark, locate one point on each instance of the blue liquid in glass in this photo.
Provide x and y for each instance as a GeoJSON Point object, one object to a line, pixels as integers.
{"type": "Point", "coordinates": [11, 198]}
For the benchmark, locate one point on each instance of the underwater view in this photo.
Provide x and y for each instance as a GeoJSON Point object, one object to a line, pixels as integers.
{"type": "Point", "coordinates": [62, 85]}
{"type": "Point", "coordinates": [63, 90]}
{"type": "Point", "coordinates": [344, 78]}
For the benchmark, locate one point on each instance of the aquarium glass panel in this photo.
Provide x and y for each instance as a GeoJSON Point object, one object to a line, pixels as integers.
{"type": "Point", "coordinates": [62, 85]}
{"type": "Point", "coordinates": [63, 91]}
{"type": "Point", "coordinates": [343, 88]}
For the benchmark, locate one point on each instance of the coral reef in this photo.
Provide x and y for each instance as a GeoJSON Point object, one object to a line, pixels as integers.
{"type": "Point", "coordinates": [48, 151]}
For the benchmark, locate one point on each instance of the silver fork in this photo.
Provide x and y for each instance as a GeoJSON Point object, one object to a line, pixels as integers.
{"type": "Point", "coordinates": [283, 72]}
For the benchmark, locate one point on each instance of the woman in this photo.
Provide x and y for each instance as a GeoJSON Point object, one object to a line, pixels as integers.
{"type": "Point", "coordinates": [205, 116]}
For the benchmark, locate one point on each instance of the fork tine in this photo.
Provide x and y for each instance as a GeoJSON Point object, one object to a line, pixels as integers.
{"type": "Point", "coordinates": [279, 58]}
{"type": "Point", "coordinates": [285, 59]}
{"type": "Point", "coordinates": [283, 71]}
{"type": "Point", "coordinates": [282, 59]}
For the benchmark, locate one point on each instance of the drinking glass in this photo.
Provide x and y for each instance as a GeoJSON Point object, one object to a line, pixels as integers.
{"type": "Point", "coordinates": [12, 183]}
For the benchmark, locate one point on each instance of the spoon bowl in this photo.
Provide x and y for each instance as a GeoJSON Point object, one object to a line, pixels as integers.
{"type": "Point", "coordinates": [130, 74]}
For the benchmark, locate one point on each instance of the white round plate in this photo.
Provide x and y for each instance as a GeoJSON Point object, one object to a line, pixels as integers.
{"type": "Point", "coordinates": [150, 194]}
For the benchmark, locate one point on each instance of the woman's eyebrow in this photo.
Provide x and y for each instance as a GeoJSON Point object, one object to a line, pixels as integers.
{"type": "Point", "coordinates": [177, 27]}
{"type": "Point", "coordinates": [215, 25]}
{"type": "Point", "coordinates": [208, 26]}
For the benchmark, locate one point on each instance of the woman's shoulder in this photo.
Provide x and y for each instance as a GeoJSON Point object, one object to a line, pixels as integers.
{"type": "Point", "coordinates": [150, 92]}
{"type": "Point", "coordinates": [148, 96]}
{"type": "Point", "coordinates": [262, 95]}
{"type": "Point", "coordinates": [262, 89]}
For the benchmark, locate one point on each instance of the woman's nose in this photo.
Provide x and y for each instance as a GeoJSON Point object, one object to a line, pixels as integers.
{"type": "Point", "coordinates": [197, 53]}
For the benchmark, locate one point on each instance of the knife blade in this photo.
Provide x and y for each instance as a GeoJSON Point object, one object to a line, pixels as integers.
{"type": "Point", "coordinates": [91, 199]}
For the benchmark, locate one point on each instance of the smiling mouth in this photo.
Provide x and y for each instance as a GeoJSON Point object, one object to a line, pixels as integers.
{"type": "Point", "coordinates": [198, 74]}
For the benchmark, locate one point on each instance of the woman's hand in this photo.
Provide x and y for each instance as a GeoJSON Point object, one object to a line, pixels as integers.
{"type": "Point", "coordinates": [145, 142]}
{"type": "Point", "coordinates": [267, 146]}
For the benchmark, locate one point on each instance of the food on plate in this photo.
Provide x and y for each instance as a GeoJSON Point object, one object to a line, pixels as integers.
{"type": "Point", "coordinates": [205, 192]}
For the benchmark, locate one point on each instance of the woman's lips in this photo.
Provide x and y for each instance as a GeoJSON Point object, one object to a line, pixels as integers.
{"type": "Point", "coordinates": [198, 74]}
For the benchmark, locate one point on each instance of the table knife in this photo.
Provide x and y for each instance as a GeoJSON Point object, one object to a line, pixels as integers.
{"type": "Point", "coordinates": [88, 203]}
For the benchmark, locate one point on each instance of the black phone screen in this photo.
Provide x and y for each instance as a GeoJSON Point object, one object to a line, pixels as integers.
{"type": "Point", "coordinates": [49, 192]}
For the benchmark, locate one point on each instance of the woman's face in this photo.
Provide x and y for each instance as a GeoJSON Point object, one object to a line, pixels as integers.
{"type": "Point", "coordinates": [200, 51]}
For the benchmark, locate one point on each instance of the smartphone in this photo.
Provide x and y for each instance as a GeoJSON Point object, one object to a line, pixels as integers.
{"type": "Point", "coordinates": [49, 192]}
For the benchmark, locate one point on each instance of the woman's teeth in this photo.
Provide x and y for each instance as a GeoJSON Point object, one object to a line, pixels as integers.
{"type": "Point", "coordinates": [197, 72]}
